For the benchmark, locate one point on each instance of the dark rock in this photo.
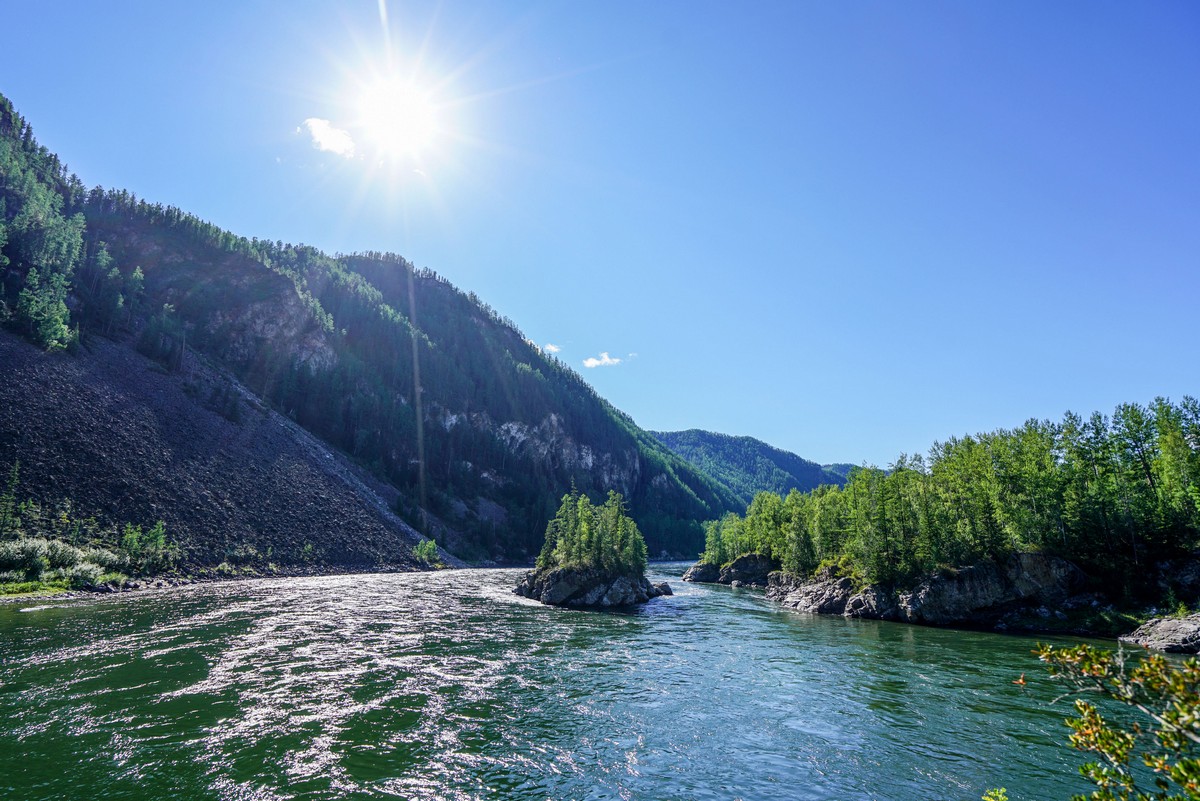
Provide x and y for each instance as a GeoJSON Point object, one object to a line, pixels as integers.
{"type": "Point", "coordinates": [985, 591]}
{"type": "Point", "coordinates": [753, 569]}
{"type": "Point", "coordinates": [663, 588]}
{"type": "Point", "coordinates": [1175, 635]}
{"type": "Point", "coordinates": [702, 572]}
{"type": "Point", "coordinates": [588, 587]}
{"type": "Point", "coordinates": [1180, 577]}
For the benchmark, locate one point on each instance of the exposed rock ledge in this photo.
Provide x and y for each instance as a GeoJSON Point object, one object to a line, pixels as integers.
{"type": "Point", "coordinates": [977, 594]}
{"type": "Point", "coordinates": [1175, 635]}
{"type": "Point", "coordinates": [565, 586]}
{"type": "Point", "coordinates": [752, 569]}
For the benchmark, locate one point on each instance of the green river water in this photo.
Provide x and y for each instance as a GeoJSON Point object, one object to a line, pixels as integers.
{"type": "Point", "coordinates": [445, 685]}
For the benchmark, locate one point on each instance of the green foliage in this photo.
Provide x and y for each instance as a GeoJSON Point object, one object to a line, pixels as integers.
{"type": "Point", "coordinates": [148, 551]}
{"type": "Point", "coordinates": [1166, 694]}
{"type": "Point", "coordinates": [427, 551]}
{"type": "Point", "coordinates": [747, 465]}
{"type": "Point", "coordinates": [1106, 493]}
{"type": "Point", "coordinates": [53, 547]}
{"type": "Point", "coordinates": [587, 536]}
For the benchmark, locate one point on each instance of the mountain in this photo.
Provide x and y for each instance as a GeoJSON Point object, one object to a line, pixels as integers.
{"type": "Point", "coordinates": [841, 469]}
{"type": "Point", "coordinates": [470, 432]}
{"type": "Point", "coordinates": [747, 465]}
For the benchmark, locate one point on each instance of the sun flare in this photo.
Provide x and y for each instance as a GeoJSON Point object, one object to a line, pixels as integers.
{"type": "Point", "coordinates": [398, 119]}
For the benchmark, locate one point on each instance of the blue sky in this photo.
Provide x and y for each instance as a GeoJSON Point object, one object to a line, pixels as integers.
{"type": "Point", "coordinates": [848, 229]}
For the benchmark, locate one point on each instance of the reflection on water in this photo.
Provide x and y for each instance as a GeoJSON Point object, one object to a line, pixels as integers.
{"type": "Point", "coordinates": [446, 685]}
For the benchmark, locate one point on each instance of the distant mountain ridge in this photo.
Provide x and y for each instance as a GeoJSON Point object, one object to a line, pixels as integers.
{"type": "Point", "coordinates": [747, 465]}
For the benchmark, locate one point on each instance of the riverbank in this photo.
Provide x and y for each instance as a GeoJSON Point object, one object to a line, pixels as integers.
{"type": "Point", "coordinates": [200, 575]}
{"type": "Point", "coordinates": [1027, 593]}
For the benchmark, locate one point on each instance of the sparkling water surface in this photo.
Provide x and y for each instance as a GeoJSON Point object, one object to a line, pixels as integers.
{"type": "Point", "coordinates": [446, 685]}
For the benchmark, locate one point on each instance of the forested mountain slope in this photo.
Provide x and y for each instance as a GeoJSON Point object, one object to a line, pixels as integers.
{"type": "Point", "coordinates": [428, 389]}
{"type": "Point", "coordinates": [747, 465]}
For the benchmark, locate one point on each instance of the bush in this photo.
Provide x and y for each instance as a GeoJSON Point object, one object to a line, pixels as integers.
{"type": "Point", "coordinates": [149, 552]}
{"type": "Point", "coordinates": [109, 561]}
{"type": "Point", "coordinates": [27, 556]}
{"type": "Point", "coordinates": [427, 551]}
{"type": "Point", "coordinates": [84, 575]}
{"type": "Point", "coordinates": [60, 554]}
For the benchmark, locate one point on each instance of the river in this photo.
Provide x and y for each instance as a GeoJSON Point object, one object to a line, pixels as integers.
{"type": "Point", "coordinates": [446, 686]}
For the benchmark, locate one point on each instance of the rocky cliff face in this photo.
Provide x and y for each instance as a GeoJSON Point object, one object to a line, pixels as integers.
{"type": "Point", "coordinates": [978, 594]}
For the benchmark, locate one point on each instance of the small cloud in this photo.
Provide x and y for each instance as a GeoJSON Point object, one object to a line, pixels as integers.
{"type": "Point", "coordinates": [551, 348]}
{"type": "Point", "coordinates": [326, 137]}
{"type": "Point", "coordinates": [632, 356]}
{"type": "Point", "coordinates": [604, 361]}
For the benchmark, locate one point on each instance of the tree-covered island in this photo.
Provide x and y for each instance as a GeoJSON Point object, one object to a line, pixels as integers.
{"type": "Point", "coordinates": [593, 556]}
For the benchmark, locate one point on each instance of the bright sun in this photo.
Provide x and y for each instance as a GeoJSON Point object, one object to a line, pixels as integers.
{"type": "Point", "coordinates": [399, 120]}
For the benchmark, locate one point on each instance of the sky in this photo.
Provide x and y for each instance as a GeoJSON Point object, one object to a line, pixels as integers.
{"type": "Point", "coordinates": [847, 229]}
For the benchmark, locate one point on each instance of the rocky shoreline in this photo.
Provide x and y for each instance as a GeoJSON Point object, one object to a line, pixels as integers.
{"type": "Point", "coordinates": [1027, 592]}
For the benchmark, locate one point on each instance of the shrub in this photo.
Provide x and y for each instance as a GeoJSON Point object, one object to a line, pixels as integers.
{"type": "Point", "coordinates": [27, 556]}
{"type": "Point", "coordinates": [109, 561]}
{"type": "Point", "coordinates": [60, 554]}
{"type": "Point", "coordinates": [427, 551]}
{"type": "Point", "coordinates": [83, 575]}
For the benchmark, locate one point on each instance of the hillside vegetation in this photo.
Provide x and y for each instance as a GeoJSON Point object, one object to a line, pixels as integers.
{"type": "Point", "coordinates": [1113, 494]}
{"type": "Point", "coordinates": [422, 385]}
{"type": "Point", "coordinates": [749, 466]}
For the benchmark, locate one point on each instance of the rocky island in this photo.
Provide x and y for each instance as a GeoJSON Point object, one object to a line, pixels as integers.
{"type": "Point", "coordinates": [594, 556]}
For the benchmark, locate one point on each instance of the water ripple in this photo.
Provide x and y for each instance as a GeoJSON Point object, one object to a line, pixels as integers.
{"type": "Point", "coordinates": [447, 686]}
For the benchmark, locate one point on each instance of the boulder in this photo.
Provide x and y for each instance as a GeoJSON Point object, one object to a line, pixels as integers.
{"type": "Point", "coordinates": [1175, 635]}
{"type": "Point", "coordinates": [587, 587]}
{"type": "Point", "coordinates": [752, 569]}
{"type": "Point", "coordinates": [702, 572]}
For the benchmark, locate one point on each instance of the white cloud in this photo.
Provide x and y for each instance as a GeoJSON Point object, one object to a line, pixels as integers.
{"type": "Point", "coordinates": [551, 348]}
{"type": "Point", "coordinates": [326, 137]}
{"type": "Point", "coordinates": [604, 361]}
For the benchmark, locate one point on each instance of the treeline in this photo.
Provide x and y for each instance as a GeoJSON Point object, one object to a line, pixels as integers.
{"type": "Point", "coordinates": [421, 383]}
{"type": "Point", "coordinates": [604, 537]}
{"type": "Point", "coordinates": [1114, 494]}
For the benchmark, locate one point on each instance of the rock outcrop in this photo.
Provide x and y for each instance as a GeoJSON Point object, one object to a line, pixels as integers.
{"type": "Point", "coordinates": [589, 587]}
{"type": "Point", "coordinates": [748, 570]}
{"type": "Point", "coordinates": [703, 573]}
{"type": "Point", "coordinates": [977, 594]}
{"type": "Point", "coordinates": [981, 592]}
{"type": "Point", "coordinates": [751, 569]}
{"type": "Point", "coordinates": [1174, 635]}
